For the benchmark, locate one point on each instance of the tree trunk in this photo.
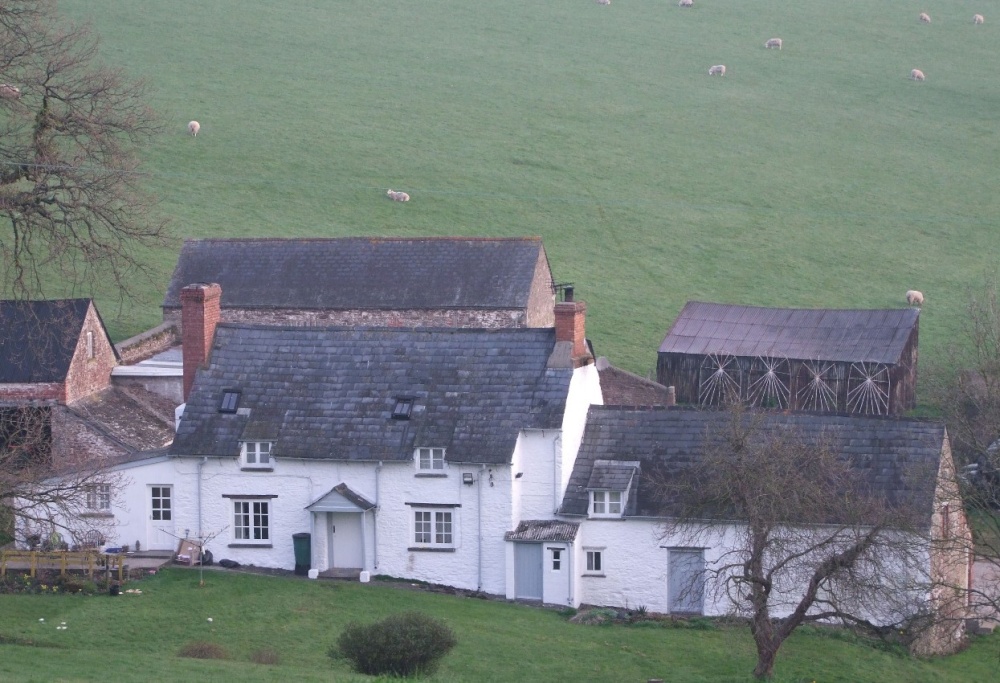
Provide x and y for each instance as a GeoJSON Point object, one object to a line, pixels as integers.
{"type": "Point", "coordinates": [767, 651]}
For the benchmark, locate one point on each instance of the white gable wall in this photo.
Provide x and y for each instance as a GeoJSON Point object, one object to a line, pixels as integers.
{"type": "Point", "coordinates": [584, 391]}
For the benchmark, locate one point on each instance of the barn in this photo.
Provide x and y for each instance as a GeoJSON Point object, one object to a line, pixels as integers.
{"type": "Point", "coordinates": [825, 360]}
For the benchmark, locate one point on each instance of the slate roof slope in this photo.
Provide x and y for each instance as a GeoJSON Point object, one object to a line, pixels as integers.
{"type": "Point", "coordinates": [137, 419]}
{"type": "Point", "coordinates": [357, 272]}
{"type": "Point", "coordinates": [894, 454]}
{"type": "Point", "coordinates": [877, 336]}
{"type": "Point", "coordinates": [38, 339]}
{"type": "Point", "coordinates": [329, 393]}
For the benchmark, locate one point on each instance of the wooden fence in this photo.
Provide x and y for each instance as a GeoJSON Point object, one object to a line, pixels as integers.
{"type": "Point", "coordinates": [86, 561]}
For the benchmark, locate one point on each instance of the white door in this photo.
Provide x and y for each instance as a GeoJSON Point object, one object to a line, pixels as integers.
{"type": "Point", "coordinates": [160, 520]}
{"type": "Point", "coordinates": [345, 540]}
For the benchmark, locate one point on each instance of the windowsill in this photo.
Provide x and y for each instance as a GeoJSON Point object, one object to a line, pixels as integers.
{"type": "Point", "coordinates": [250, 545]}
{"type": "Point", "coordinates": [104, 515]}
{"type": "Point", "coordinates": [595, 576]}
{"type": "Point", "coordinates": [421, 549]}
{"type": "Point", "coordinates": [251, 468]}
{"type": "Point", "coordinates": [431, 475]}
{"type": "Point", "coordinates": [613, 518]}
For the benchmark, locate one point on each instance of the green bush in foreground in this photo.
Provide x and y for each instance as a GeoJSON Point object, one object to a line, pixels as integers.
{"type": "Point", "coordinates": [403, 644]}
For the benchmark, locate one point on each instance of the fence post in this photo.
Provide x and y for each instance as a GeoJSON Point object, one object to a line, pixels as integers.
{"type": "Point", "coordinates": [62, 569]}
{"type": "Point", "coordinates": [34, 562]}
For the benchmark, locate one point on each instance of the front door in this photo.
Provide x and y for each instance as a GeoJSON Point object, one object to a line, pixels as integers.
{"type": "Point", "coordinates": [528, 571]}
{"type": "Point", "coordinates": [686, 580]}
{"type": "Point", "coordinates": [160, 520]}
{"type": "Point", "coordinates": [345, 542]}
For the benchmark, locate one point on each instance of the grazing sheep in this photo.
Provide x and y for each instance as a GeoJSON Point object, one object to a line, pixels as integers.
{"type": "Point", "coordinates": [9, 92]}
{"type": "Point", "coordinates": [717, 70]}
{"type": "Point", "coordinates": [916, 75]}
{"type": "Point", "coordinates": [402, 196]}
{"type": "Point", "coordinates": [914, 297]}
{"type": "Point", "coordinates": [603, 2]}
{"type": "Point", "coordinates": [194, 127]}
{"type": "Point", "coordinates": [686, 3]}
{"type": "Point", "coordinates": [977, 19]}
{"type": "Point", "coordinates": [773, 42]}
{"type": "Point", "coordinates": [925, 18]}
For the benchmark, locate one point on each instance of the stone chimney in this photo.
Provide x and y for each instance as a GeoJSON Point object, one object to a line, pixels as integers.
{"type": "Point", "coordinates": [200, 311]}
{"type": "Point", "coordinates": [570, 318]}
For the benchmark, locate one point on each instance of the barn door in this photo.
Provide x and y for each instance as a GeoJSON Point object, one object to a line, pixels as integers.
{"type": "Point", "coordinates": [686, 580]}
{"type": "Point", "coordinates": [528, 571]}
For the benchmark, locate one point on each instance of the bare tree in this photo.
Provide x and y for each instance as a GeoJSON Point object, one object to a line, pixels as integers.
{"type": "Point", "coordinates": [970, 400]}
{"type": "Point", "coordinates": [71, 200]}
{"type": "Point", "coordinates": [804, 536]}
{"type": "Point", "coordinates": [48, 496]}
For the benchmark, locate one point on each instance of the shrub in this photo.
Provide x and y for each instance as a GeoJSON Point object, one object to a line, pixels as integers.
{"type": "Point", "coordinates": [265, 655]}
{"type": "Point", "coordinates": [401, 645]}
{"type": "Point", "coordinates": [203, 650]}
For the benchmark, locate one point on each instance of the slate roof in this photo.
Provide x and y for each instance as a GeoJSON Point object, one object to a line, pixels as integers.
{"type": "Point", "coordinates": [612, 475]}
{"type": "Point", "coordinates": [543, 530]}
{"type": "Point", "coordinates": [136, 418]}
{"type": "Point", "coordinates": [877, 336]}
{"type": "Point", "coordinates": [38, 339]}
{"type": "Point", "coordinates": [888, 451]}
{"type": "Point", "coordinates": [359, 272]}
{"type": "Point", "coordinates": [329, 393]}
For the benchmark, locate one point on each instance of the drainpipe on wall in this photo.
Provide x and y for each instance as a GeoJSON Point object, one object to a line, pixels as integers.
{"type": "Point", "coordinates": [556, 442]}
{"type": "Point", "coordinates": [479, 530]}
{"type": "Point", "coordinates": [378, 468]}
{"type": "Point", "coordinates": [201, 463]}
{"type": "Point", "coordinates": [572, 578]}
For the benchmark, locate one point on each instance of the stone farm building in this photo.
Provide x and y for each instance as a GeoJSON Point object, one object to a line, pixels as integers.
{"type": "Point", "coordinates": [828, 360]}
{"type": "Point", "coordinates": [56, 361]}
{"type": "Point", "coordinates": [373, 282]}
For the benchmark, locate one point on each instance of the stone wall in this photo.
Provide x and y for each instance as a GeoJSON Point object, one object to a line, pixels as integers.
{"type": "Point", "coordinates": [491, 319]}
{"type": "Point", "coordinates": [93, 360]}
{"type": "Point", "coordinates": [149, 343]}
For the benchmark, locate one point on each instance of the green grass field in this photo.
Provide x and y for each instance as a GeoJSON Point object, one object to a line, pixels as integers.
{"type": "Point", "coordinates": [818, 175]}
{"type": "Point", "coordinates": [137, 638]}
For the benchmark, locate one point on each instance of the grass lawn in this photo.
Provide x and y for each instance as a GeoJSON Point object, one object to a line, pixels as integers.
{"type": "Point", "coordinates": [818, 175]}
{"type": "Point", "coordinates": [136, 638]}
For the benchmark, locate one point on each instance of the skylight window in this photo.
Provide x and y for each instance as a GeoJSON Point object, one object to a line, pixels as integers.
{"type": "Point", "coordinates": [230, 401]}
{"type": "Point", "coordinates": [402, 409]}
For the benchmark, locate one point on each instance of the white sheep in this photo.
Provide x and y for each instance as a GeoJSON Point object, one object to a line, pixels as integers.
{"type": "Point", "coordinates": [773, 42]}
{"type": "Point", "coordinates": [194, 127]}
{"type": "Point", "coordinates": [686, 3]}
{"type": "Point", "coordinates": [603, 2]}
{"type": "Point", "coordinates": [9, 92]}
{"type": "Point", "coordinates": [400, 196]}
{"type": "Point", "coordinates": [717, 70]}
{"type": "Point", "coordinates": [916, 75]}
{"type": "Point", "coordinates": [977, 19]}
{"type": "Point", "coordinates": [914, 297]}
{"type": "Point", "coordinates": [925, 18]}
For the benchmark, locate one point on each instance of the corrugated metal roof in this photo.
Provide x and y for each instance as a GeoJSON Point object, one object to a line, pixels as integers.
{"type": "Point", "coordinates": [854, 335]}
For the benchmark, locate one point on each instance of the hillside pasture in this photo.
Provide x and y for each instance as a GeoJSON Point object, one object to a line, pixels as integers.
{"type": "Point", "coordinates": [139, 638]}
{"type": "Point", "coordinates": [819, 175]}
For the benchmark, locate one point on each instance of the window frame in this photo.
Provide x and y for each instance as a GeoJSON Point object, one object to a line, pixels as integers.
{"type": "Point", "coordinates": [229, 402]}
{"type": "Point", "coordinates": [433, 528]}
{"type": "Point", "coordinates": [98, 498]}
{"type": "Point", "coordinates": [603, 498]}
{"type": "Point", "coordinates": [267, 463]}
{"type": "Point", "coordinates": [257, 515]}
{"type": "Point", "coordinates": [556, 563]}
{"type": "Point", "coordinates": [431, 460]}
{"type": "Point", "coordinates": [90, 344]}
{"type": "Point", "coordinates": [593, 564]}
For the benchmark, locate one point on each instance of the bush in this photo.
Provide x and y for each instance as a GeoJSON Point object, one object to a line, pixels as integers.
{"type": "Point", "coordinates": [203, 650]}
{"type": "Point", "coordinates": [400, 645]}
{"type": "Point", "coordinates": [265, 655]}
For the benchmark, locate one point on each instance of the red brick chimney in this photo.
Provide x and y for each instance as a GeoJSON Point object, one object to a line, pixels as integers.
{"type": "Point", "coordinates": [570, 318]}
{"type": "Point", "coordinates": [200, 311]}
